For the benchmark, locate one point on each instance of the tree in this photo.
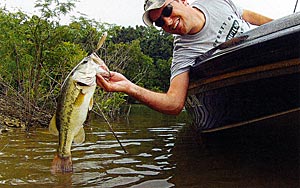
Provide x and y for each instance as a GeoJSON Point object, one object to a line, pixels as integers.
{"type": "Point", "coordinates": [154, 43]}
{"type": "Point", "coordinates": [26, 50]}
{"type": "Point", "coordinates": [37, 54]}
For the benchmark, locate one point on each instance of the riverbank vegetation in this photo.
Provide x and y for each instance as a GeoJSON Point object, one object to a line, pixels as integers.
{"type": "Point", "coordinates": [37, 53]}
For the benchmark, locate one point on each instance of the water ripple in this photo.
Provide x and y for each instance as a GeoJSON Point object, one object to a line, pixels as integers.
{"type": "Point", "coordinates": [127, 171]}
{"type": "Point", "coordinates": [118, 181]}
{"type": "Point", "coordinates": [154, 183]}
{"type": "Point", "coordinates": [126, 161]}
{"type": "Point", "coordinates": [98, 162]}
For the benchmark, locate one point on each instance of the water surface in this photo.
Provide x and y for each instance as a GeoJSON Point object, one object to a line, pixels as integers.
{"type": "Point", "coordinates": [163, 151]}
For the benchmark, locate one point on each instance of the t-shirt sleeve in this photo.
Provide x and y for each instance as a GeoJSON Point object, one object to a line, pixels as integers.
{"type": "Point", "coordinates": [180, 67]}
{"type": "Point", "coordinates": [184, 54]}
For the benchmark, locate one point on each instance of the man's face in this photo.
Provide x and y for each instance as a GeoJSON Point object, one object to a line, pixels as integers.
{"type": "Point", "coordinates": [174, 16]}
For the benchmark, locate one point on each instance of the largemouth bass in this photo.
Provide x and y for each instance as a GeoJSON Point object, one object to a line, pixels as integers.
{"type": "Point", "coordinates": [74, 102]}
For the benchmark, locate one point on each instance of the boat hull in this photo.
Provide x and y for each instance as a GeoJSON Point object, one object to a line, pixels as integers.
{"type": "Point", "coordinates": [256, 79]}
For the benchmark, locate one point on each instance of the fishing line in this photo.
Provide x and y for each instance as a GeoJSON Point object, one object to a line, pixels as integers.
{"type": "Point", "coordinates": [100, 43]}
{"type": "Point", "coordinates": [296, 6]}
{"type": "Point", "coordinates": [4, 146]}
{"type": "Point", "coordinates": [109, 125]}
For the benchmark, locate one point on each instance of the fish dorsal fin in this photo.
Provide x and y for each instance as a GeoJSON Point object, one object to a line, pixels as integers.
{"type": "Point", "coordinates": [52, 126]}
{"type": "Point", "coordinates": [80, 137]}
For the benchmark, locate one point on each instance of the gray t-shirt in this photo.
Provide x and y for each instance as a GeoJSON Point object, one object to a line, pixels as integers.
{"type": "Point", "coordinates": [223, 22]}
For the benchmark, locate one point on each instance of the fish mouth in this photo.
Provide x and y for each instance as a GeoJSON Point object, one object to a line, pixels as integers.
{"type": "Point", "coordinates": [85, 81]}
{"type": "Point", "coordinates": [81, 84]}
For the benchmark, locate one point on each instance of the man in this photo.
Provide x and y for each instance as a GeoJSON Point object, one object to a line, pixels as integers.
{"type": "Point", "coordinates": [197, 27]}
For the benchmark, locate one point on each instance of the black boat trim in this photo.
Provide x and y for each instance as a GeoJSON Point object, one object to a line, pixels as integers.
{"type": "Point", "coordinates": [251, 121]}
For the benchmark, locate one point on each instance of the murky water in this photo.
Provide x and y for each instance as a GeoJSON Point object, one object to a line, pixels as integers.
{"type": "Point", "coordinates": [163, 151]}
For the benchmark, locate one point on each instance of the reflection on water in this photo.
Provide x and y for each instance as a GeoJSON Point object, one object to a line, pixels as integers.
{"type": "Point", "coordinates": [261, 155]}
{"type": "Point", "coordinates": [163, 151]}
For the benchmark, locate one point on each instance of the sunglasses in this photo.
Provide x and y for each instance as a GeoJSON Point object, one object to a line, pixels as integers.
{"type": "Point", "coordinates": [167, 11]}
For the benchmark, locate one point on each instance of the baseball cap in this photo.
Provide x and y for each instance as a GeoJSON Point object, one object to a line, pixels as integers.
{"type": "Point", "coordinates": [150, 5]}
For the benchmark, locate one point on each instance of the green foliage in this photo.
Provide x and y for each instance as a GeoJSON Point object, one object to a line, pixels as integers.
{"type": "Point", "coordinates": [130, 60]}
{"type": "Point", "coordinates": [37, 53]}
{"type": "Point", "coordinates": [54, 8]}
{"type": "Point", "coordinates": [84, 32]}
{"type": "Point", "coordinates": [109, 103]}
{"type": "Point", "coordinates": [153, 43]}
{"type": "Point", "coordinates": [58, 63]}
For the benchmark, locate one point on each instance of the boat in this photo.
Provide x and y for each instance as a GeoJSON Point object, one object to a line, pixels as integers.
{"type": "Point", "coordinates": [252, 77]}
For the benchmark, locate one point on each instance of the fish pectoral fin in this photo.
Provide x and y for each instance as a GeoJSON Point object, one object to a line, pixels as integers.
{"type": "Point", "coordinates": [91, 104]}
{"type": "Point", "coordinates": [80, 137]}
{"type": "Point", "coordinates": [52, 126]}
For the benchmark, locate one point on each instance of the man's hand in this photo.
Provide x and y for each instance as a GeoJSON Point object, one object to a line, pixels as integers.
{"type": "Point", "coordinates": [116, 82]}
{"type": "Point", "coordinates": [171, 102]}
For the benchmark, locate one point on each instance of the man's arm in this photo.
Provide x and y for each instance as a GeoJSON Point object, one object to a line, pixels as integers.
{"type": "Point", "coordinates": [255, 18]}
{"type": "Point", "coordinates": [171, 102]}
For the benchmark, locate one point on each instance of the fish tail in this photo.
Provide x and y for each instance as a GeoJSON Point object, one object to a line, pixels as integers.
{"type": "Point", "coordinates": [62, 165]}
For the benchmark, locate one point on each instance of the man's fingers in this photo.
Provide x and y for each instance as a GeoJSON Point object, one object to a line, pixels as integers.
{"type": "Point", "coordinates": [101, 81]}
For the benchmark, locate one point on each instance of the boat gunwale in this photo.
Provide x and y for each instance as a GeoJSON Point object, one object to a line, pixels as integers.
{"type": "Point", "coordinates": [250, 74]}
{"type": "Point", "coordinates": [219, 63]}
